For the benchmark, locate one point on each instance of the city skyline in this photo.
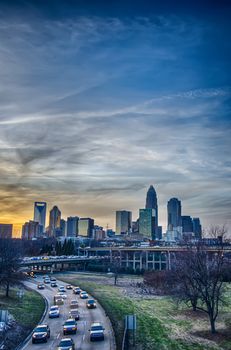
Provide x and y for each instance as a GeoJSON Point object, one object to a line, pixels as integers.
{"type": "Point", "coordinates": [55, 216]}
{"type": "Point", "coordinates": [99, 102]}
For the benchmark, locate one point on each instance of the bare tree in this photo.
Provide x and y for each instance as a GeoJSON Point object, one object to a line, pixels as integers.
{"type": "Point", "coordinates": [200, 277]}
{"type": "Point", "coordinates": [10, 253]}
{"type": "Point", "coordinates": [115, 266]}
{"type": "Point", "coordinates": [217, 231]}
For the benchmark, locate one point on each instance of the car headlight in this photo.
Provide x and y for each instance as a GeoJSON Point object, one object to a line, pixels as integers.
{"type": "Point", "coordinates": [44, 335]}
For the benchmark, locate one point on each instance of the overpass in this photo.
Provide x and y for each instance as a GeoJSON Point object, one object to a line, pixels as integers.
{"type": "Point", "coordinates": [50, 264]}
{"type": "Point", "coordinates": [129, 258]}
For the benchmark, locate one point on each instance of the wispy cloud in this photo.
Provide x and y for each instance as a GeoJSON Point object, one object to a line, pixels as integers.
{"type": "Point", "coordinates": [93, 110]}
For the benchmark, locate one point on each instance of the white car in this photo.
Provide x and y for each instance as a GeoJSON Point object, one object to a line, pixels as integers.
{"type": "Point", "coordinates": [3, 327]}
{"type": "Point", "coordinates": [83, 295]}
{"type": "Point", "coordinates": [54, 311]}
{"type": "Point", "coordinates": [62, 289]}
{"type": "Point", "coordinates": [62, 295]}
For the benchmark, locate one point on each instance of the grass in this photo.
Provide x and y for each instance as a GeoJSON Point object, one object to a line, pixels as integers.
{"type": "Point", "coordinates": [161, 324]}
{"type": "Point", "coordinates": [28, 311]}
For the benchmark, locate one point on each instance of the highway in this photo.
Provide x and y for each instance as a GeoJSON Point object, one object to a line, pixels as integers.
{"type": "Point", "coordinates": [81, 338]}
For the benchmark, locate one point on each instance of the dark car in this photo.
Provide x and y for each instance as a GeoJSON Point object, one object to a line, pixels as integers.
{"type": "Point", "coordinates": [70, 326]}
{"type": "Point", "coordinates": [54, 284]}
{"type": "Point", "coordinates": [74, 313]}
{"type": "Point", "coordinates": [96, 331]}
{"type": "Point", "coordinates": [66, 344]}
{"type": "Point", "coordinates": [41, 333]}
{"type": "Point", "coordinates": [77, 290]}
{"type": "Point", "coordinates": [91, 304]}
{"type": "Point", "coordinates": [40, 286]}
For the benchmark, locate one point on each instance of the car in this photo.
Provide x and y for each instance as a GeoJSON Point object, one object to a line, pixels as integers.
{"type": "Point", "coordinates": [91, 304]}
{"type": "Point", "coordinates": [54, 311]}
{"type": "Point", "coordinates": [3, 327]}
{"type": "Point", "coordinates": [40, 286]}
{"type": "Point", "coordinates": [58, 300]}
{"type": "Point", "coordinates": [41, 333]}
{"type": "Point", "coordinates": [66, 344]}
{"type": "Point", "coordinates": [77, 290]}
{"type": "Point", "coordinates": [83, 295]}
{"type": "Point", "coordinates": [62, 289]}
{"type": "Point", "coordinates": [53, 279]}
{"type": "Point", "coordinates": [46, 276]}
{"type": "Point", "coordinates": [62, 295]}
{"type": "Point", "coordinates": [53, 284]}
{"type": "Point", "coordinates": [96, 331]}
{"type": "Point", "coordinates": [70, 326]}
{"type": "Point", "coordinates": [74, 313]}
{"type": "Point", "coordinates": [74, 304]}
{"type": "Point", "coordinates": [68, 286]}
{"type": "Point", "coordinates": [47, 280]}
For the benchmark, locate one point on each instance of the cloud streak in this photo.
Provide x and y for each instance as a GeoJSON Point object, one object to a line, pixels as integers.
{"type": "Point", "coordinates": [93, 110]}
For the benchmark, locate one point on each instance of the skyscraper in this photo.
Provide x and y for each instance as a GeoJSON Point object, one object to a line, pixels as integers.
{"type": "Point", "coordinates": [86, 226]}
{"type": "Point", "coordinates": [40, 213]}
{"type": "Point", "coordinates": [147, 223]}
{"type": "Point", "coordinates": [6, 230]}
{"type": "Point", "coordinates": [187, 224]}
{"type": "Point", "coordinates": [54, 222]}
{"type": "Point", "coordinates": [174, 214]}
{"type": "Point", "coordinates": [31, 230]}
{"type": "Point", "coordinates": [123, 221]}
{"type": "Point", "coordinates": [197, 230]}
{"type": "Point", "coordinates": [72, 226]}
{"type": "Point", "coordinates": [63, 227]}
{"type": "Point", "coordinates": [151, 203]}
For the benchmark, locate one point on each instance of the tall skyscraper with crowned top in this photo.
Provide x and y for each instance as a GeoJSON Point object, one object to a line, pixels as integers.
{"type": "Point", "coordinates": [151, 203]}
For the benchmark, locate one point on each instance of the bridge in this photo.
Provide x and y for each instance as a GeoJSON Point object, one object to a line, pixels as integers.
{"type": "Point", "coordinates": [129, 258]}
{"type": "Point", "coordinates": [50, 264]}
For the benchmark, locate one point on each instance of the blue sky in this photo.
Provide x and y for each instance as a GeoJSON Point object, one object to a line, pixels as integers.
{"type": "Point", "coordinates": [99, 102]}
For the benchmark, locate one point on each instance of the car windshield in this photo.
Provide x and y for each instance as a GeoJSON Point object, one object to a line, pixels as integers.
{"type": "Point", "coordinates": [96, 328]}
{"type": "Point", "coordinates": [70, 323]}
{"type": "Point", "coordinates": [91, 301]}
{"type": "Point", "coordinates": [54, 308]}
{"type": "Point", "coordinates": [41, 329]}
{"type": "Point", "coordinates": [65, 342]}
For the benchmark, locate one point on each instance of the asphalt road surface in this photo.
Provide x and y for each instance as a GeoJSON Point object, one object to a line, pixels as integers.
{"type": "Point", "coordinates": [87, 316]}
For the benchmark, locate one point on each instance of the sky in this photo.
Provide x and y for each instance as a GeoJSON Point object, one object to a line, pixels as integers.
{"type": "Point", "coordinates": [101, 99]}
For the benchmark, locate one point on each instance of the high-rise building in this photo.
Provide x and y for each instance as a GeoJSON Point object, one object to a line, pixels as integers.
{"type": "Point", "coordinates": [54, 222]}
{"type": "Point", "coordinates": [63, 227]}
{"type": "Point", "coordinates": [98, 233]}
{"type": "Point", "coordinates": [31, 230]}
{"type": "Point", "coordinates": [147, 223]}
{"type": "Point", "coordinates": [86, 226]}
{"type": "Point", "coordinates": [151, 203]}
{"type": "Point", "coordinates": [197, 229]}
{"type": "Point", "coordinates": [40, 209]}
{"type": "Point", "coordinates": [72, 226]}
{"type": "Point", "coordinates": [123, 221]}
{"type": "Point", "coordinates": [187, 224]}
{"type": "Point", "coordinates": [174, 214]}
{"type": "Point", "coordinates": [6, 231]}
